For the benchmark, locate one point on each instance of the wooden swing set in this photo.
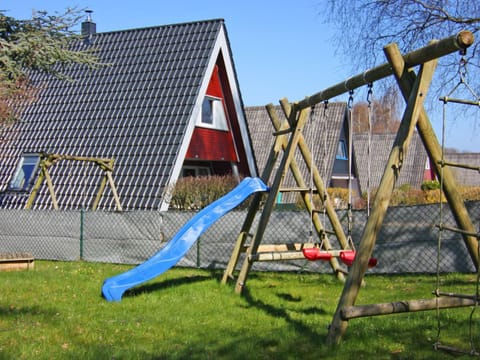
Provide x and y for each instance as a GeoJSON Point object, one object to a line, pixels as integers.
{"type": "Point", "coordinates": [49, 160]}
{"type": "Point", "coordinates": [289, 137]}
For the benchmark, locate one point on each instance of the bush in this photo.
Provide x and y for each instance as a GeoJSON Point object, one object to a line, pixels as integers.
{"type": "Point", "coordinates": [430, 185]}
{"type": "Point", "coordinates": [195, 193]}
{"type": "Point", "coordinates": [338, 197]}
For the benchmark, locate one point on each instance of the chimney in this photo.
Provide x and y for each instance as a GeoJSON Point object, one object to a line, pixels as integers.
{"type": "Point", "coordinates": [88, 27]}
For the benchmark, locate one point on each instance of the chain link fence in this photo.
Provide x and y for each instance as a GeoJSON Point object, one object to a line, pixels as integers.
{"type": "Point", "coordinates": [407, 242]}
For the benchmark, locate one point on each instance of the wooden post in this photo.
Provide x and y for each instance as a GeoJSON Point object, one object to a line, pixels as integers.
{"type": "Point", "coordinates": [48, 179]}
{"type": "Point", "coordinates": [36, 187]}
{"type": "Point", "coordinates": [114, 191]}
{"type": "Point", "coordinates": [384, 192]}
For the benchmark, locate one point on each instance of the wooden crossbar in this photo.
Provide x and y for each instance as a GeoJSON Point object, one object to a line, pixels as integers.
{"type": "Point", "coordinates": [464, 166]}
{"type": "Point", "coordinates": [352, 312]}
{"type": "Point", "coordinates": [298, 189]}
{"type": "Point", "coordinates": [446, 99]}
{"type": "Point", "coordinates": [276, 256]}
{"type": "Point", "coordinates": [282, 132]}
{"type": "Point", "coordinates": [457, 230]}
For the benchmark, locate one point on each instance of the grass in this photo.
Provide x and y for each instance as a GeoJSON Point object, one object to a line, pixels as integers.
{"type": "Point", "coordinates": [55, 311]}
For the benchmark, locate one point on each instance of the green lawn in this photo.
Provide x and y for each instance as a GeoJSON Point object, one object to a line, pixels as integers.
{"type": "Point", "coordinates": [55, 311]}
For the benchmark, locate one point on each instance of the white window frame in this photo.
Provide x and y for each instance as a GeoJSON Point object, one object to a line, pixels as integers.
{"type": "Point", "coordinates": [20, 180]}
{"type": "Point", "coordinates": [342, 152]}
{"type": "Point", "coordinates": [213, 114]}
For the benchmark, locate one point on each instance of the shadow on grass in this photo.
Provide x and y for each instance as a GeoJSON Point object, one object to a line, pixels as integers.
{"type": "Point", "coordinates": [307, 332]}
{"type": "Point", "coordinates": [14, 311]}
{"type": "Point", "coordinates": [149, 288]}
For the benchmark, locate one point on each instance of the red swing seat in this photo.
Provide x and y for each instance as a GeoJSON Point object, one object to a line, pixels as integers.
{"type": "Point", "coordinates": [348, 256]}
{"type": "Point", "coordinates": [314, 254]}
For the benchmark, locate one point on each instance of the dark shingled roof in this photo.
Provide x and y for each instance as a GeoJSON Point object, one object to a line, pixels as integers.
{"type": "Point", "coordinates": [136, 111]}
{"type": "Point", "coordinates": [323, 142]}
{"type": "Point", "coordinates": [381, 144]}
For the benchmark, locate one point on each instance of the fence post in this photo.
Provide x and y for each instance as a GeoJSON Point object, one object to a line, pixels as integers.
{"type": "Point", "coordinates": [81, 233]}
{"type": "Point", "coordinates": [198, 252]}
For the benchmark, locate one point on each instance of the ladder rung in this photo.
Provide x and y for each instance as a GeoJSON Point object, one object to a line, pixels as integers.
{"type": "Point", "coordinates": [460, 101]}
{"type": "Point", "coordinates": [297, 189]}
{"type": "Point", "coordinates": [277, 256]}
{"type": "Point", "coordinates": [282, 132]}
{"type": "Point", "coordinates": [456, 295]}
{"type": "Point", "coordinates": [457, 230]}
{"type": "Point", "coordinates": [455, 350]}
{"type": "Point", "coordinates": [463, 166]}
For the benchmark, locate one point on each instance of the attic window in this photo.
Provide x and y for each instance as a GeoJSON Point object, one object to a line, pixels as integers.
{"type": "Point", "coordinates": [25, 172]}
{"type": "Point", "coordinates": [213, 114]}
{"type": "Point", "coordinates": [342, 151]}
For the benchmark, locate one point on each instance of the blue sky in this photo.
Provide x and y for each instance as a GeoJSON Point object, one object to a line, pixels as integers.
{"type": "Point", "coordinates": [281, 48]}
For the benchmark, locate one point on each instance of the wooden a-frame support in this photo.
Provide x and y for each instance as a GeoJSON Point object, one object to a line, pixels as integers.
{"type": "Point", "coordinates": [289, 137]}
{"type": "Point", "coordinates": [48, 160]}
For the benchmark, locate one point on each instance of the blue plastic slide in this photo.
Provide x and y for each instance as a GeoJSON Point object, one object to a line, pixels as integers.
{"type": "Point", "coordinates": [114, 287]}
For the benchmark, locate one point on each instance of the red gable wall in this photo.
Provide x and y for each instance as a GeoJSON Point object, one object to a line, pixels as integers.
{"type": "Point", "coordinates": [210, 144]}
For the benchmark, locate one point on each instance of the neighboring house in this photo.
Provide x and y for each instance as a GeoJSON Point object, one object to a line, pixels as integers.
{"type": "Point", "coordinates": [167, 106]}
{"type": "Point", "coordinates": [330, 148]}
{"type": "Point", "coordinates": [326, 134]}
{"type": "Point", "coordinates": [413, 167]}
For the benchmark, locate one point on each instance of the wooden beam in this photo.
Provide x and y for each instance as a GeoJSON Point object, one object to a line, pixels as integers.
{"type": "Point", "coordinates": [462, 40]}
{"type": "Point", "coordinates": [353, 312]}
{"type": "Point", "coordinates": [48, 179]}
{"type": "Point", "coordinates": [114, 190]}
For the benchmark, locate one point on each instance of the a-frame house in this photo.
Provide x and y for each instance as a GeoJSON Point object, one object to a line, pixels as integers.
{"type": "Point", "coordinates": [166, 105]}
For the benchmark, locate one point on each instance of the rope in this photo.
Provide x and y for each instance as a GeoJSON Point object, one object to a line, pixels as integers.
{"type": "Point", "coordinates": [440, 232]}
{"type": "Point", "coordinates": [369, 144]}
{"type": "Point", "coordinates": [312, 113]}
{"type": "Point", "coordinates": [325, 166]}
{"type": "Point", "coordinates": [462, 74]}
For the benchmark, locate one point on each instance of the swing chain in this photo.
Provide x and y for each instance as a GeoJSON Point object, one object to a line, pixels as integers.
{"type": "Point", "coordinates": [325, 112]}
{"type": "Point", "coordinates": [462, 67]}
{"type": "Point", "coordinates": [370, 94]}
{"type": "Point", "coordinates": [350, 100]}
{"type": "Point", "coordinates": [312, 115]}
{"type": "Point", "coordinates": [325, 108]}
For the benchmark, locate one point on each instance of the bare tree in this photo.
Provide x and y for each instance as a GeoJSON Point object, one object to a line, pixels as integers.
{"type": "Point", "coordinates": [379, 116]}
{"type": "Point", "coordinates": [364, 27]}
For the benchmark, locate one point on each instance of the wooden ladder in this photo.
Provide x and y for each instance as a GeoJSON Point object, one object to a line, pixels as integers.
{"type": "Point", "coordinates": [288, 137]}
